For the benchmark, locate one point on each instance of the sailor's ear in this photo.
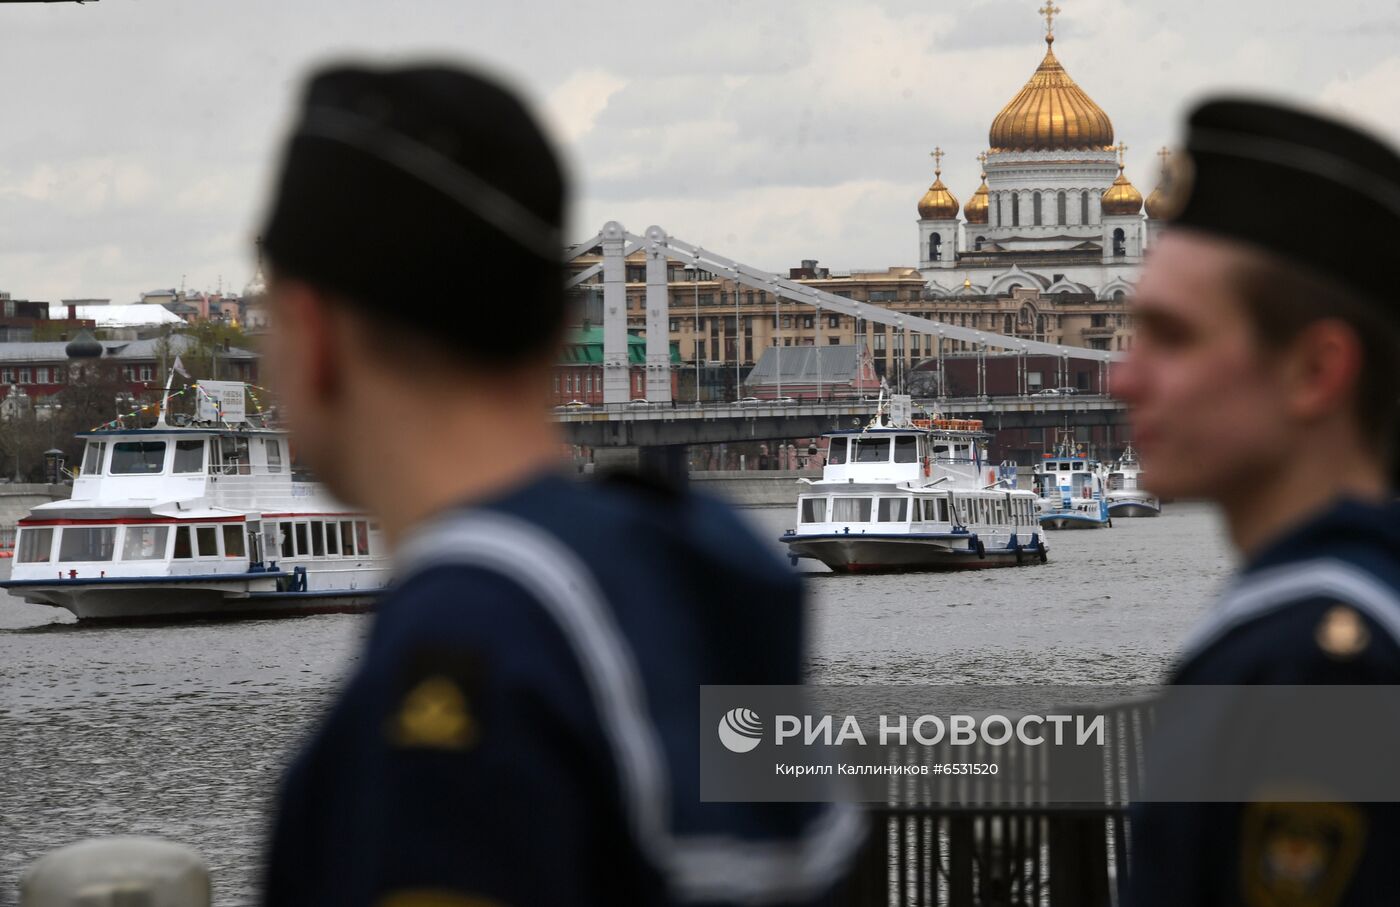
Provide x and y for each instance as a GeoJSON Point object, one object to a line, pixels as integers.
{"type": "Point", "coordinates": [1322, 368]}
{"type": "Point", "coordinates": [313, 325]}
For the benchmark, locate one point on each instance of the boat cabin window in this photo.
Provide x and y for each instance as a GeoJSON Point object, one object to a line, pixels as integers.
{"type": "Point", "coordinates": [83, 543]}
{"type": "Point", "coordinates": [935, 510]}
{"type": "Point", "coordinates": [272, 450]}
{"type": "Point", "coordinates": [92, 457]}
{"type": "Point", "coordinates": [36, 545]}
{"type": "Point", "coordinates": [318, 540]}
{"type": "Point", "coordinates": [906, 449]}
{"type": "Point", "coordinates": [137, 458]}
{"type": "Point", "coordinates": [871, 450]}
{"type": "Point", "coordinates": [836, 454]}
{"type": "Point", "coordinates": [145, 543]}
{"type": "Point", "coordinates": [189, 455]}
{"type": "Point", "coordinates": [333, 539]}
{"type": "Point", "coordinates": [235, 456]}
{"type": "Point", "coordinates": [940, 451]}
{"type": "Point", "coordinates": [814, 510]}
{"type": "Point", "coordinates": [233, 540]}
{"type": "Point", "coordinates": [362, 537]}
{"type": "Point", "coordinates": [206, 539]}
{"type": "Point", "coordinates": [286, 544]}
{"type": "Point", "coordinates": [1000, 512]}
{"type": "Point", "coordinates": [182, 543]}
{"type": "Point", "coordinates": [1078, 466]}
{"type": "Point", "coordinates": [850, 510]}
{"type": "Point", "coordinates": [302, 548]}
{"type": "Point", "coordinates": [894, 510]}
{"type": "Point", "coordinates": [347, 538]}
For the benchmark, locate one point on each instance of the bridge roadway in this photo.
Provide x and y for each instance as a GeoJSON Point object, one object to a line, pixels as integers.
{"type": "Point", "coordinates": [663, 425]}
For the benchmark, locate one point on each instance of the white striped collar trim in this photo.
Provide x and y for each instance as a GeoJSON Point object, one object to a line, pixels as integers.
{"type": "Point", "coordinates": [699, 868]}
{"type": "Point", "coordinates": [1266, 591]}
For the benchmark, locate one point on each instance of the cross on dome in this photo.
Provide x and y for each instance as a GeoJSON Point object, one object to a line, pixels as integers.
{"type": "Point", "coordinates": [1049, 11]}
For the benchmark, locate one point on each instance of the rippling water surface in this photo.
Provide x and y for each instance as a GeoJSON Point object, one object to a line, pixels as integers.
{"type": "Point", "coordinates": [181, 730]}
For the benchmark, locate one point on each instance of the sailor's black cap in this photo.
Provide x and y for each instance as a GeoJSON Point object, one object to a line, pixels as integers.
{"type": "Point", "coordinates": [1313, 190]}
{"type": "Point", "coordinates": [429, 195]}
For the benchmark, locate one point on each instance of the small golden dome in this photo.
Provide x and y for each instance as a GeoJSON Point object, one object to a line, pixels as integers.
{"type": "Point", "coordinates": [976, 209]}
{"type": "Point", "coordinates": [1051, 113]}
{"type": "Point", "coordinates": [1157, 201]}
{"type": "Point", "coordinates": [1122, 197]}
{"type": "Point", "coordinates": [938, 203]}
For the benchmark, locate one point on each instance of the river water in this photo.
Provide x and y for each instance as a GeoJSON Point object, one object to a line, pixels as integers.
{"type": "Point", "coordinates": [181, 730]}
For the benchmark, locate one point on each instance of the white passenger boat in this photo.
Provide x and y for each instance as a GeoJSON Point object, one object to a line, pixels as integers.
{"type": "Point", "coordinates": [1126, 494]}
{"type": "Point", "coordinates": [1070, 491]}
{"type": "Point", "coordinates": [904, 494]}
{"type": "Point", "coordinates": [200, 519]}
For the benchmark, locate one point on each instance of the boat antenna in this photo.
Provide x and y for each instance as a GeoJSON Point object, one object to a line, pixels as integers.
{"type": "Point", "coordinates": [165, 398]}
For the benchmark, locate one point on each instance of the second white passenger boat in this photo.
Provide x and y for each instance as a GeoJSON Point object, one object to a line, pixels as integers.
{"type": "Point", "coordinates": [1126, 494]}
{"type": "Point", "coordinates": [906, 495]}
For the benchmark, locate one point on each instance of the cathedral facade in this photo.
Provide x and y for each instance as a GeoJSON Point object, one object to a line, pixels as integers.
{"type": "Point", "coordinates": [1051, 242]}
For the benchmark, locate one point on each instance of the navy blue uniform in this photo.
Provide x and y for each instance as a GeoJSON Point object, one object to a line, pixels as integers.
{"type": "Point", "coordinates": [523, 728]}
{"type": "Point", "coordinates": [1319, 606]}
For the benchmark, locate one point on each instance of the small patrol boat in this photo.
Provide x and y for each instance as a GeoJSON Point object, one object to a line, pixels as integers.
{"type": "Point", "coordinates": [1126, 494]}
{"type": "Point", "coordinates": [907, 494]}
{"type": "Point", "coordinates": [195, 519]}
{"type": "Point", "coordinates": [1070, 490]}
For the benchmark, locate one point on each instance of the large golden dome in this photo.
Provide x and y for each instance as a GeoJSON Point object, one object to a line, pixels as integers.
{"type": "Point", "coordinates": [1051, 113]}
{"type": "Point", "coordinates": [1122, 197]}
{"type": "Point", "coordinates": [976, 210]}
{"type": "Point", "coordinates": [938, 203]}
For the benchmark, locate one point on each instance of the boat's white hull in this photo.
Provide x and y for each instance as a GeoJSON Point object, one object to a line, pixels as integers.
{"type": "Point", "coordinates": [1135, 507]}
{"type": "Point", "coordinates": [241, 596]}
{"type": "Point", "coordinates": [1074, 521]}
{"type": "Point", "coordinates": [893, 554]}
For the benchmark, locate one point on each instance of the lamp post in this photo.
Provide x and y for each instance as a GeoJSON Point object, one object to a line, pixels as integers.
{"type": "Point", "coordinates": [738, 342]}
{"type": "Point", "coordinates": [694, 269]}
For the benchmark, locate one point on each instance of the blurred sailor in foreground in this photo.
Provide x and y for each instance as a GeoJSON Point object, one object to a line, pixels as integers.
{"type": "Point", "coordinates": [521, 727]}
{"type": "Point", "coordinates": [1264, 377]}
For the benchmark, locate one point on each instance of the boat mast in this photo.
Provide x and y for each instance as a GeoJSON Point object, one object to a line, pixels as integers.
{"type": "Point", "coordinates": [165, 398]}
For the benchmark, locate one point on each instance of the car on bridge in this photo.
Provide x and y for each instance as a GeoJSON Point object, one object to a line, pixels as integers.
{"type": "Point", "coordinates": [573, 404]}
{"type": "Point", "coordinates": [1047, 392]}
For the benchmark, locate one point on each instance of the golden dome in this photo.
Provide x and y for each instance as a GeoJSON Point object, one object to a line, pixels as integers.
{"type": "Point", "coordinates": [976, 209]}
{"type": "Point", "coordinates": [1051, 113]}
{"type": "Point", "coordinates": [938, 203]}
{"type": "Point", "coordinates": [1122, 197]}
{"type": "Point", "coordinates": [1157, 201]}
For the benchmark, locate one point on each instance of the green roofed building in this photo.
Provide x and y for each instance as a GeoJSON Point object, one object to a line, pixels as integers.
{"type": "Point", "coordinates": [578, 376]}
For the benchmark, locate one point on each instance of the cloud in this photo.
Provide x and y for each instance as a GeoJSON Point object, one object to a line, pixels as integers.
{"type": "Point", "coordinates": [574, 106]}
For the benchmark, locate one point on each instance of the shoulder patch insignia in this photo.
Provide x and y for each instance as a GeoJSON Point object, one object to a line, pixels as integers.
{"type": "Point", "coordinates": [1299, 854]}
{"type": "Point", "coordinates": [434, 715]}
{"type": "Point", "coordinates": [1342, 633]}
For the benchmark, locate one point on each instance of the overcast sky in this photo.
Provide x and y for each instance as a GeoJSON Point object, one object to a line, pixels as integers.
{"type": "Point", "coordinates": [137, 136]}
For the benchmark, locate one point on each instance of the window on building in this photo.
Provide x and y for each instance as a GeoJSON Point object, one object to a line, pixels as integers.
{"type": "Point", "coordinates": [833, 321]}
{"type": "Point", "coordinates": [977, 243]}
{"type": "Point", "coordinates": [935, 247]}
{"type": "Point", "coordinates": [25, 376]}
{"type": "Point", "coordinates": [137, 458]}
{"type": "Point", "coordinates": [1015, 209]}
{"type": "Point", "coordinates": [41, 375]}
{"type": "Point", "coordinates": [1120, 242]}
{"type": "Point", "coordinates": [1084, 207]}
{"type": "Point", "coordinates": [675, 325]}
{"type": "Point", "coordinates": [189, 455]}
{"type": "Point", "coordinates": [1035, 207]}
{"type": "Point", "coordinates": [808, 321]}
{"type": "Point", "coordinates": [1061, 208]}
{"type": "Point", "coordinates": [35, 546]}
{"type": "Point", "coordinates": [7, 376]}
{"type": "Point", "coordinates": [145, 373]}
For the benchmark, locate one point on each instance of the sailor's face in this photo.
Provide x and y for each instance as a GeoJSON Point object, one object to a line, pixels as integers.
{"type": "Point", "coordinates": [1206, 411]}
